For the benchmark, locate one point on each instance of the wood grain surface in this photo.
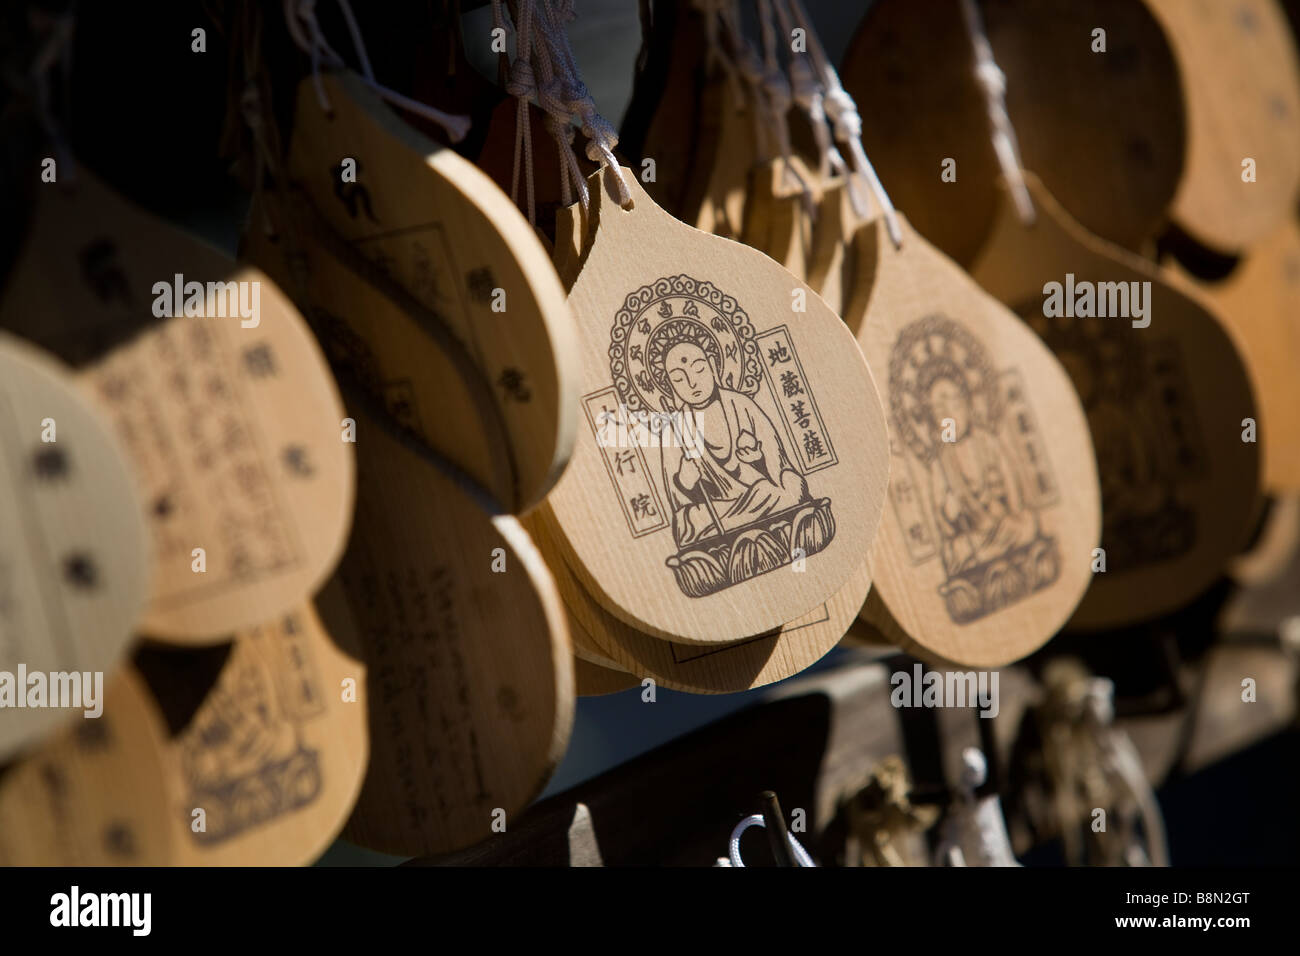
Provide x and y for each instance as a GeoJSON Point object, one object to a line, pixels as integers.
{"type": "Point", "coordinates": [1165, 406]}
{"type": "Point", "coordinates": [1241, 83]}
{"type": "Point", "coordinates": [441, 229]}
{"type": "Point", "coordinates": [1105, 131]}
{"type": "Point", "coordinates": [1259, 300]}
{"type": "Point", "coordinates": [651, 285]}
{"type": "Point", "coordinates": [74, 551]}
{"type": "Point", "coordinates": [469, 675]}
{"type": "Point", "coordinates": [710, 669]}
{"type": "Point", "coordinates": [273, 751]}
{"type": "Point", "coordinates": [232, 425]}
{"type": "Point", "coordinates": [986, 545]}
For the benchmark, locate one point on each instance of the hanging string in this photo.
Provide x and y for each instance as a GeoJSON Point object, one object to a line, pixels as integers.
{"type": "Point", "coordinates": [808, 97]}
{"type": "Point", "coordinates": [777, 90]}
{"type": "Point", "coordinates": [716, 59]}
{"type": "Point", "coordinates": [551, 97]}
{"type": "Point", "coordinates": [843, 114]}
{"type": "Point", "coordinates": [522, 84]}
{"type": "Point", "coordinates": [300, 17]}
{"type": "Point", "coordinates": [994, 82]}
{"type": "Point", "coordinates": [554, 17]}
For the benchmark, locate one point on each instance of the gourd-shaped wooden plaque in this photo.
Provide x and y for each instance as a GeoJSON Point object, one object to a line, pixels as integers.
{"type": "Point", "coordinates": [74, 553]}
{"type": "Point", "coordinates": [1100, 118]}
{"type": "Point", "coordinates": [1103, 129]}
{"type": "Point", "coordinates": [986, 545]}
{"type": "Point", "coordinates": [420, 376]}
{"type": "Point", "coordinates": [592, 680]}
{"type": "Point", "coordinates": [777, 219]}
{"type": "Point", "coordinates": [264, 764]}
{"type": "Point", "coordinates": [720, 208]}
{"type": "Point", "coordinates": [1259, 300]}
{"type": "Point", "coordinates": [219, 394]}
{"type": "Point", "coordinates": [732, 467]}
{"type": "Point", "coordinates": [1241, 81]}
{"type": "Point", "coordinates": [444, 232]}
{"type": "Point", "coordinates": [469, 675]}
{"type": "Point", "coordinates": [830, 265]}
{"type": "Point", "coordinates": [94, 794]}
{"type": "Point", "coordinates": [1166, 403]}
{"type": "Point", "coordinates": [708, 669]}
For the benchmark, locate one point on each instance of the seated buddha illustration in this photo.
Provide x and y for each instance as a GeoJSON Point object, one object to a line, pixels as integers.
{"type": "Point", "coordinates": [242, 758]}
{"type": "Point", "coordinates": [725, 469]}
{"type": "Point", "coordinates": [975, 488]}
{"type": "Point", "coordinates": [948, 410]}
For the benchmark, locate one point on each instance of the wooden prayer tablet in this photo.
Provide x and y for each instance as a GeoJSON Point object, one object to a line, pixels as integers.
{"type": "Point", "coordinates": [74, 553]}
{"type": "Point", "coordinates": [735, 666]}
{"type": "Point", "coordinates": [592, 680]}
{"type": "Point", "coordinates": [777, 215]}
{"type": "Point", "coordinates": [1103, 130]}
{"type": "Point", "coordinates": [702, 669]}
{"type": "Point", "coordinates": [408, 365]}
{"type": "Point", "coordinates": [986, 545]}
{"type": "Point", "coordinates": [1106, 132]}
{"type": "Point", "coordinates": [830, 266]}
{"type": "Point", "coordinates": [693, 344]}
{"type": "Point", "coordinates": [444, 232]}
{"type": "Point", "coordinates": [1260, 302]}
{"type": "Point", "coordinates": [469, 674]}
{"type": "Point", "coordinates": [94, 793]}
{"type": "Point", "coordinates": [585, 647]}
{"type": "Point", "coordinates": [666, 102]}
{"type": "Point", "coordinates": [1165, 405]}
{"type": "Point", "coordinates": [217, 391]}
{"type": "Point", "coordinates": [262, 766]}
{"type": "Point", "coordinates": [860, 263]}
{"type": "Point", "coordinates": [910, 69]}
{"type": "Point", "coordinates": [1241, 82]}
{"type": "Point", "coordinates": [720, 208]}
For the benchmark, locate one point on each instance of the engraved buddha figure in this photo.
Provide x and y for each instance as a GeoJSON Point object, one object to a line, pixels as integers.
{"type": "Point", "coordinates": [976, 487]}
{"type": "Point", "coordinates": [724, 465]}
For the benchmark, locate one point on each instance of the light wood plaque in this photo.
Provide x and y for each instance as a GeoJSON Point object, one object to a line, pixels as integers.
{"type": "Point", "coordinates": [273, 752]}
{"type": "Point", "coordinates": [784, 397]}
{"type": "Point", "coordinates": [423, 379]}
{"type": "Point", "coordinates": [74, 552]}
{"type": "Point", "coordinates": [1260, 301]}
{"type": "Point", "coordinates": [708, 669]}
{"type": "Point", "coordinates": [469, 675]}
{"type": "Point", "coordinates": [986, 545]}
{"type": "Point", "coordinates": [1165, 405]}
{"type": "Point", "coordinates": [1241, 82]}
{"type": "Point", "coordinates": [94, 793]}
{"type": "Point", "coordinates": [233, 426]}
{"type": "Point", "coordinates": [442, 230]}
